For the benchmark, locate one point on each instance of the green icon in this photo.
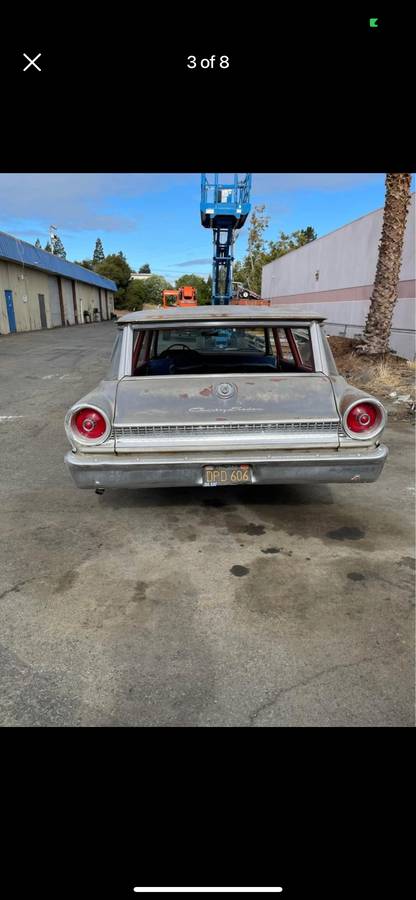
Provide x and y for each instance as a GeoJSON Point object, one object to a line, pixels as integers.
{"type": "Point", "coordinates": [373, 23]}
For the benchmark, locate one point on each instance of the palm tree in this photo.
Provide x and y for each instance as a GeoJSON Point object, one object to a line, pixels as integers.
{"type": "Point", "coordinates": [386, 284]}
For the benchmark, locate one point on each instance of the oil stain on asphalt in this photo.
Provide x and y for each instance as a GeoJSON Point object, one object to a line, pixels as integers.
{"type": "Point", "coordinates": [346, 534]}
{"type": "Point", "coordinates": [239, 571]}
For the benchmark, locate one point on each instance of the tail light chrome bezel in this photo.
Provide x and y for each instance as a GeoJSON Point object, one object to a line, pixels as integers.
{"type": "Point", "coordinates": [369, 433]}
{"type": "Point", "coordinates": [74, 436]}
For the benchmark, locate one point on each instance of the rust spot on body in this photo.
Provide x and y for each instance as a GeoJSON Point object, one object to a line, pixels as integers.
{"type": "Point", "coordinates": [183, 396]}
{"type": "Point", "coordinates": [206, 392]}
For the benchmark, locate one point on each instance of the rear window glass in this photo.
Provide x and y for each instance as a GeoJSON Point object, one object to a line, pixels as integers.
{"type": "Point", "coordinates": [216, 350]}
{"type": "Point", "coordinates": [285, 350]}
{"type": "Point", "coordinates": [303, 342]}
{"type": "Point", "coordinates": [232, 340]}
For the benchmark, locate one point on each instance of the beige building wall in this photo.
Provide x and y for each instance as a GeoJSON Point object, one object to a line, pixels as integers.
{"type": "Point", "coordinates": [87, 299]}
{"type": "Point", "coordinates": [68, 301]}
{"type": "Point", "coordinates": [334, 276]}
{"type": "Point", "coordinates": [110, 296]}
{"type": "Point", "coordinates": [27, 283]}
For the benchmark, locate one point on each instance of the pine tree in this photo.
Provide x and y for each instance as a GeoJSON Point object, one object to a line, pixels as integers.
{"type": "Point", "coordinates": [38, 244]}
{"type": "Point", "coordinates": [48, 247]}
{"type": "Point", "coordinates": [98, 254]}
{"type": "Point", "coordinates": [58, 248]}
{"type": "Point", "coordinates": [145, 269]}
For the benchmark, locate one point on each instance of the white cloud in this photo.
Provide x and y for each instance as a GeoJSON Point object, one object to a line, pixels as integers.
{"type": "Point", "coordinates": [193, 262]}
{"type": "Point", "coordinates": [77, 201]}
{"type": "Point", "coordinates": [90, 201]}
{"type": "Point", "coordinates": [264, 182]}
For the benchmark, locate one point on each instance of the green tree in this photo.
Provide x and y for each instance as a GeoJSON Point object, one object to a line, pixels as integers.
{"type": "Point", "coordinates": [58, 248]}
{"type": "Point", "coordinates": [209, 289]}
{"type": "Point", "coordinates": [288, 242]}
{"type": "Point", "coordinates": [98, 254]}
{"type": "Point", "coordinates": [135, 295]}
{"type": "Point", "coordinates": [248, 271]}
{"type": "Point", "coordinates": [48, 247]}
{"type": "Point", "coordinates": [255, 249]}
{"type": "Point", "coordinates": [152, 289]}
{"type": "Point", "coordinates": [203, 291]}
{"type": "Point", "coordinates": [306, 235]}
{"type": "Point", "coordinates": [38, 244]}
{"type": "Point", "coordinates": [86, 263]}
{"type": "Point", "coordinates": [116, 267]}
{"type": "Point", "coordinates": [145, 269]}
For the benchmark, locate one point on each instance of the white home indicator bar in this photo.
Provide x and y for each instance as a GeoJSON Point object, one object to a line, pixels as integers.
{"type": "Point", "coordinates": [208, 890]}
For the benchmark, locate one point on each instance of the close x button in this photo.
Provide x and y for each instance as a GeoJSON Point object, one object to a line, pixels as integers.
{"type": "Point", "coordinates": [32, 62]}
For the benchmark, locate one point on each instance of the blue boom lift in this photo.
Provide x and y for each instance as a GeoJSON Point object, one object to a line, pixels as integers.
{"type": "Point", "coordinates": [224, 208]}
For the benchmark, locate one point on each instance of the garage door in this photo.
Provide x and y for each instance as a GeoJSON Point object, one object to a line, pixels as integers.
{"type": "Point", "coordinates": [54, 301]}
{"type": "Point", "coordinates": [68, 301]}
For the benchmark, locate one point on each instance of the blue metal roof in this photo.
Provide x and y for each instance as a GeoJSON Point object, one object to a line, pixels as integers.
{"type": "Point", "coordinates": [14, 249]}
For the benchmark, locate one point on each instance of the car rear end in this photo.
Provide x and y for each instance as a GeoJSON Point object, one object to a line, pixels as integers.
{"type": "Point", "coordinates": [170, 418]}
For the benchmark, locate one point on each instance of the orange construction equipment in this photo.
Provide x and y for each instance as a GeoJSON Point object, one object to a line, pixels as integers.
{"type": "Point", "coordinates": [187, 296]}
{"type": "Point", "coordinates": [184, 296]}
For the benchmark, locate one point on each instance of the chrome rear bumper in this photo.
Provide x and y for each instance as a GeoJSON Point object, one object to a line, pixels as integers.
{"type": "Point", "coordinates": [179, 470]}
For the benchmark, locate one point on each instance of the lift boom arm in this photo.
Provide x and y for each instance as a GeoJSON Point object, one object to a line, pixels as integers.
{"type": "Point", "coordinates": [224, 208]}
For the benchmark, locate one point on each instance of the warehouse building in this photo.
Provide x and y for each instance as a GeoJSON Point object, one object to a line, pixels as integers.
{"type": "Point", "coordinates": [335, 273]}
{"type": "Point", "coordinates": [40, 290]}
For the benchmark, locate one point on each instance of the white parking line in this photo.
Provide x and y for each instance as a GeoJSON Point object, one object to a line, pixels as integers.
{"type": "Point", "coordinates": [56, 375]}
{"type": "Point", "coordinates": [5, 418]}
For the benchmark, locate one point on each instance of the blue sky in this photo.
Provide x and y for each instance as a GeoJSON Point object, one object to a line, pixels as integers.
{"type": "Point", "coordinates": [154, 218]}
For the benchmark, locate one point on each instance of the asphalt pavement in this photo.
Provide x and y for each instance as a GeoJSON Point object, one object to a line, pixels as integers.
{"type": "Point", "coordinates": [244, 606]}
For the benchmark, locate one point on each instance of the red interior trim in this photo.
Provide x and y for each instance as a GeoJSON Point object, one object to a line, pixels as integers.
{"type": "Point", "coordinates": [277, 343]}
{"type": "Point", "coordinates": [293, 347]}
{"type": "Point", "coordinates": [137, 350]}
{"type": "Point", "coordinates": [149, 335]}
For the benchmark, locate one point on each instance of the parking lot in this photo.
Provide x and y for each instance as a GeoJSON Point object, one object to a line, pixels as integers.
{"type": "Point", "coordinates": [273, 606]}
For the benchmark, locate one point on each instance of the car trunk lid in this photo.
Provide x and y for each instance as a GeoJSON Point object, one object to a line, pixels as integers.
{"type": "Point", "coordinates": [208, 412]}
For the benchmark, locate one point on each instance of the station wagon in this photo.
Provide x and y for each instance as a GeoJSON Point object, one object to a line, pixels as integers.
{"type": "Point", "coordinates": [223, 395]}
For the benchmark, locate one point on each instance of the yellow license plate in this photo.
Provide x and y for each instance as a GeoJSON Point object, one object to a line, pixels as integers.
{"type": "Point", "coordinates": [215, 476]}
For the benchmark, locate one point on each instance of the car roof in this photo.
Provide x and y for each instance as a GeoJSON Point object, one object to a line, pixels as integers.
{"type": "Point", "coordinates": [210, 312]}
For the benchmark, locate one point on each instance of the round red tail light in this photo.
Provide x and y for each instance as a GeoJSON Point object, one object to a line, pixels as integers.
{"type": "Point", "coordinates": [89, 423]}
{"type": "Point", "coordinates": [363, 417]}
